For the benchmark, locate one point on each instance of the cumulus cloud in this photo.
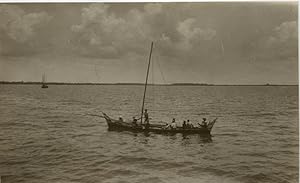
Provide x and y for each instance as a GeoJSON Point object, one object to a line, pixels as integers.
{"type": "Point", "coordinates": [287, 31]}
{"type": "Point", "coordinates": [283, 42]}
{"type": "Point", "coordinates": [192, 34]}
{"type": "Point", "coordinates": [17, 24]}
{"type": "Point", "coordinates": [102, 31]}
{"type": "Point", "coordinates": [189, 31]}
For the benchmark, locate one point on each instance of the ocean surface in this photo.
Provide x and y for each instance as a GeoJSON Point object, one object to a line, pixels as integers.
{"type": "Point", "coordinates": [51, 136]}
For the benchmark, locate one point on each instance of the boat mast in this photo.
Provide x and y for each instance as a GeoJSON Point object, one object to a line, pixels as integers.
{"type": "Point", "coordinates": [146, 83]}
{"type": "Point", "coordinates": [43, 79]}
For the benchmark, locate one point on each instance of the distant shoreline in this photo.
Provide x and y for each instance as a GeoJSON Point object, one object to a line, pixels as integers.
{"type": "Point", "coordinates": [172, 84]}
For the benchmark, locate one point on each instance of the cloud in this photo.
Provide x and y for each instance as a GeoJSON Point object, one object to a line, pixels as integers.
{"type": "Point", "coordinates": [18, 30]}
{"type": "Point", "coordinates": [188, 29]}
{"type": "Point", "coordinates": [192, 34]}
{"type": "Point", "coordinates": [102, 32]}
{"type": "Point", "coordinates": [17, 24]}
{"type": "Point", "coordinates": [285, 32]}
{"type": "Point", "coordinates": [282, 44]}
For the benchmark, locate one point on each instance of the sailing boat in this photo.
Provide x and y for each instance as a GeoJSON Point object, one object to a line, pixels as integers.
{"type": "Point", "coordinates": [120, 125]}
{"type": "Point", "coordinates": [44, 85]}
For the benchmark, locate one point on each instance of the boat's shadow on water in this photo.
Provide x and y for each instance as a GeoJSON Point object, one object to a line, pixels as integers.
{"type": "Point", "coordinates": [186, 138]}
{"type": "Point", "coordinates": [198, 137]}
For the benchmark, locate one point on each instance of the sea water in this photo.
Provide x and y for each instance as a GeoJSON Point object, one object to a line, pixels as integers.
{"type": "Point", "coordinates": [50, 135]}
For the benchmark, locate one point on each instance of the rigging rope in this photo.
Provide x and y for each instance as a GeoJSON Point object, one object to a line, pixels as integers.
{"type": "Point", "coordinates": [161, 73]}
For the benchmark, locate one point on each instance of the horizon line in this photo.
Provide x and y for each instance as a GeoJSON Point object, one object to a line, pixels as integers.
{"type": "Point", "coordinates": [137, 83]}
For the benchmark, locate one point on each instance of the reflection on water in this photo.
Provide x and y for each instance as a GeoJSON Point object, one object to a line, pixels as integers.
{"type": "Point", "coordinates": [185, 138]}
{"type": "Point", "coordinates": [47, 136]}
{"type": "Point", "coordinates": [199, 138]}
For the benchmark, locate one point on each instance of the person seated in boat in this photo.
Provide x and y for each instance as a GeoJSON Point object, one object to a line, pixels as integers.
{"type": "Point", "coordinates": [167, 126]}
{"type": "Point", "coordinates": [184, 124]}
{"type": "Point", "coordinates": [189, 124]}
{"type": "Point", "coordinates": [173, 124]}
{"type": "Point", "coordinates": [204, 123]}
{"type": "Point", "coordinates": [121, 119]}
{"type": "Point", "coordinates": [134, 121]}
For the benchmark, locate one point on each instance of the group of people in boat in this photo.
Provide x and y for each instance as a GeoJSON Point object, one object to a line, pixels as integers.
{"type": "Point", "coordinates": [185, 125]}
{"type": "Point", "coordinates": [146, 120]}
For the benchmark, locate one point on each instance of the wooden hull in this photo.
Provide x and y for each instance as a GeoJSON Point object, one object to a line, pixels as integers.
{"type": "Point", "coordinates": [117, 125]}
{"type": "Point", "coordinates": [44, 86]}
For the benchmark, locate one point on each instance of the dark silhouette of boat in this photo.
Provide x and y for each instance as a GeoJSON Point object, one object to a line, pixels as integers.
{"type": "Point", "coordinates": [121, 125]}
{"type": "Point", "coordinates": [44, 85]}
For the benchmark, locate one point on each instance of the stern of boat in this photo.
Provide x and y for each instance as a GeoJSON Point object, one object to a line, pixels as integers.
{"type": "Point", "coordinates": [211, 124]}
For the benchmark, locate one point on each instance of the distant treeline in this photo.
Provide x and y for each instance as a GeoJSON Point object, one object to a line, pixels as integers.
{"type": "Point", "coordinates": [64, 83]}
{"type": "Point", "coordinates": [192, 84]}
{"type": "Point", "coordinates": [58, 83]}
{"type": "Point", "coordinates": [172, 84]}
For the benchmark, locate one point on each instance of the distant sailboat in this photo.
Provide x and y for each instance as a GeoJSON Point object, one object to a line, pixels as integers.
{"type": "Point", "coordinates": [44, 85]}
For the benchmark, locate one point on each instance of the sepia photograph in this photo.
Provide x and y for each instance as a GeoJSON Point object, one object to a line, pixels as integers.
{"type": "Point", "coordinates": [149, 92]}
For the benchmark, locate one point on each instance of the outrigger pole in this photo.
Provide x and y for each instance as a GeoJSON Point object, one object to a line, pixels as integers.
{"type": "Point", "coordinates": [146, 82]}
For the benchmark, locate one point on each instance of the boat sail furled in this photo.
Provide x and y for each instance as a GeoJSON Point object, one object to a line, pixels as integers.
{"type": "Point", "coordinates": [120, 125]}
{"type": "Point", "coordinates": [44, 85]}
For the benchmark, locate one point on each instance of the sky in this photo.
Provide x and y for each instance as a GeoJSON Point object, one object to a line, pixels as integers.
{"type": "Point", "coordinates": [216, 43]}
